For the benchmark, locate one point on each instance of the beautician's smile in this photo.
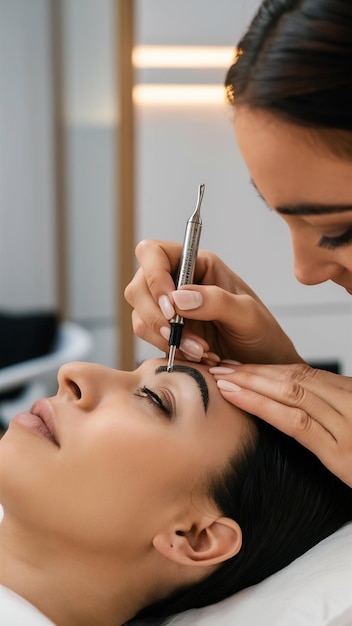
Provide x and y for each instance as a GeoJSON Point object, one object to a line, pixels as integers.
{"type": "Point", "coordinates": [40, 420]}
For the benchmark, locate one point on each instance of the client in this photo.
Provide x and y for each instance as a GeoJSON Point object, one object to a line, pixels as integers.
{"type": "Point", "coordinates": [146, 493]}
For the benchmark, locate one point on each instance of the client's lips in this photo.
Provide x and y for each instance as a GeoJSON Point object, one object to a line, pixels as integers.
{"type": "Point", "coordinates": [42, 409]}
{"type": "Point", "coordinates": [39, 420]}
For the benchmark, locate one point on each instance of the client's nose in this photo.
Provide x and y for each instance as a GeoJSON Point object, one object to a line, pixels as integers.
{"type": "Point", "coordinates": [86, 383]}
{"type": "Point", "coordinates": [77, 382]}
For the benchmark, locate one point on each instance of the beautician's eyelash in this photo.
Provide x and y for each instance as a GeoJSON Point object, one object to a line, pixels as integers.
{"type": "Point", "coordinates": [157, 400]}
{"type": "Point", "coordinates": [260, 195]}
{"type": "Point", "coordinates": [331, 243]}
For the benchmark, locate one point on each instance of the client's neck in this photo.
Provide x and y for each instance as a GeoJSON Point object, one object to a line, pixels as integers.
{"type": "Point", "coordinates": [67, 587]}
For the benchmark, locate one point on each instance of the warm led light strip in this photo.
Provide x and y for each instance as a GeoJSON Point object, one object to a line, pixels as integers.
{"type": "Point", "coordinates": [183, 56]}
{"type": "Point", "coordinates": [178, 94]}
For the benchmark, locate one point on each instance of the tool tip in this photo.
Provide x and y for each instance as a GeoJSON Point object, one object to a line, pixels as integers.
{"type": "Point", "coordinates": [170, 363]}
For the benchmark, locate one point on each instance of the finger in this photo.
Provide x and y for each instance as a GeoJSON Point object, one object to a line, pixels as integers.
{"type": "Point", "coordinates": [292, 421]}
{"type": "Point", "coordinates": [300, 371]}
{"type": "Point", "coordinates": [145, 332]}
{"type": "Point", "coordinates": [192, 346]}
{"type": "Point", "coordinates": [149, 314]}
{"type": "Point", "coordinates": [159, 261]}
{"type": "Point", "coordinates": [211, 359]}
{"type": "Point", "coordinates": [295, 396]}
{"type": "Point", "coordinates": [246, 329]}
{"type": "Point", "coordinates": [297, 385]}
{"type": "Point", "coordinates": [214, 303]}
{"type": "Point", "coordinates": [193, 350]}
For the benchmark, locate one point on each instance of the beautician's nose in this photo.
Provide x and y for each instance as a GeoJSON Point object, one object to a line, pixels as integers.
{"type": "Point", "coordinates": [87, 383]}
{"type": "Point", "coordinates": [309, 271]}
{"type": "Point", "coordinates": [313, 265]}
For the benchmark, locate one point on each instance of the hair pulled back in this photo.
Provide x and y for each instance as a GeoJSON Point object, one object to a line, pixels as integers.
{"type": "Point", "coordinates": [295, 61]}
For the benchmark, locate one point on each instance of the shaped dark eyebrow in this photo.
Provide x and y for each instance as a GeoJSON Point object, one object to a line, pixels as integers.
{"type": "Point", "coordinates": [306, 208]}
{"type": "Point", "coordinates": [193, 373]}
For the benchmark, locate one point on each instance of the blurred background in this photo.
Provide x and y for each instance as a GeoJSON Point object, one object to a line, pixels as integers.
{"type": "Point", "coordinates": [112, 112]}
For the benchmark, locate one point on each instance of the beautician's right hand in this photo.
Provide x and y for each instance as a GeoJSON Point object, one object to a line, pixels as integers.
{"type": "Point", "coordinates": [223, 315]}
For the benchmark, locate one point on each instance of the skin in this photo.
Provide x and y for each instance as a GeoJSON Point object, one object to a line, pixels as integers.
{"type": "Point", "coordinates": [115, 514]}
{"type": "Point", "coordinates": [290, 171]}
{"type": "Point", "coordinates": [310, 188]}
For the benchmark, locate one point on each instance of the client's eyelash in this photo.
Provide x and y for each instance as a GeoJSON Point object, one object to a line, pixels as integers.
{"type": "Point", "coordinates": [331, 243]}
{"type": "Point", "coordinates": [159, 401]}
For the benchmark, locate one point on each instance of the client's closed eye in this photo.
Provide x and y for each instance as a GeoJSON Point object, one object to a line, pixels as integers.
{"type": "Point", "coordinates": [160, 400]}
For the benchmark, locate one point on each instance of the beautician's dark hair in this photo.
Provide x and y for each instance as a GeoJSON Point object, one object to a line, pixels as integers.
{"type": "Point", "coordinates": [285, 501]}
{"type": "Point", "coordinates": [295, 61]}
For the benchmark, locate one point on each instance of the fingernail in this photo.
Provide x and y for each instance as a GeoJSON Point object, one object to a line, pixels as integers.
{"type": "Point", "coordinates": [221, 370]}
{"type": "Point", "coordinates": [186, 300]}
{"type": "Point", "coordinates": [192, 348]}
{"type": "Point", "coordinates": [213, 357]}
{"type": "Point", "coordinates": [225, 385]}
{"type": "Point", "coordinates": [165, 332]}
{"type": "Point", "coordinates": [207, 359]}
{"type": "Point", "coordinates": [193, 359]}
{"type": "Point", "coordinates": [166, 307]}
{"type": "Point", "coordinates": [231, 362]}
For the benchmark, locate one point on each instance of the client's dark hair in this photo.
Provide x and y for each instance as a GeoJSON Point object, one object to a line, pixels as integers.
{"type": "Point", "coordinates": [285, 501]}
{"type": "Point", "coordinates": [295, 62]}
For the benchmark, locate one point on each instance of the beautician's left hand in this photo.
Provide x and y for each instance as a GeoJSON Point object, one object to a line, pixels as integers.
{"type": "Point", "coordinates": [313, 406]}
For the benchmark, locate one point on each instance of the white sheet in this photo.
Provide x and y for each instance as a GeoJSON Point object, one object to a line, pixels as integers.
{"type": "Point", "coordinates": [314, 590]}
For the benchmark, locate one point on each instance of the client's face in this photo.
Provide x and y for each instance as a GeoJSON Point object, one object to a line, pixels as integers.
{"type": "Point", "coordinates": [115, 453]}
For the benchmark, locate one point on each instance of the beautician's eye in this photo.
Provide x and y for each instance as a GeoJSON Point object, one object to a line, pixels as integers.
{"type": "Point", "coordinates": [158, 400]}
{"type": "Point", "coordinates": [331, 243]}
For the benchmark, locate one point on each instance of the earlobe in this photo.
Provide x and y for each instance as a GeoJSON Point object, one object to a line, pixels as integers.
{"type": "Point", "coordinates": [202, 544]}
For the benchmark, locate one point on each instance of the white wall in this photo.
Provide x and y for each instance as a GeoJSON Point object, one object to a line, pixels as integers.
{"type": "Point", "coordinates": [28, 277]}
{"type": "Point", "coordinates": [91, 127]}
{"type": "Point", "coordinates": [27, 223]}
{"type": "Point", "coordinates": [28, 245]}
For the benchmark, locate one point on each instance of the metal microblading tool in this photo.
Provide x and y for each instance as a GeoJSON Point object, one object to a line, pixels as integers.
{"type": "Point", "coordinates": [186, 272]}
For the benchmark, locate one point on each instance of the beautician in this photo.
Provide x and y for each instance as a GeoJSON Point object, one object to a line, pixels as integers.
{"type": "Point", "coordinates": [291, 88]}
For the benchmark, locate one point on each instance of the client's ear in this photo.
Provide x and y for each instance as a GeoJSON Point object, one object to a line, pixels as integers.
{"type": "Point", "coordinates": [206, 542]}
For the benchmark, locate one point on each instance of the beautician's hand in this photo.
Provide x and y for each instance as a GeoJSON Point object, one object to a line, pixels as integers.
{"type": "Point", "coordinates": [224, 316]}
{"type": "Point", "coordinates": [313, 406]}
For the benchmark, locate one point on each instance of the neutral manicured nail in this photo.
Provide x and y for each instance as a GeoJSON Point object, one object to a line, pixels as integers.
{"type": "Point", "coordinates": [191, 358]}
{"type": "Point", "coordinates": [165, 332]}
{"type": "Point", "coordinates": [166, 307]}
{"type": "Point", "coordinates": [225, 385]}
{"type": "Point", "coordinates": [207, 359]}
{"type": "Point", "coordinates": [231, 362]}
{"type": "Point", "coordinates": [186, 300]}
{"type": "Point", "coordinates": [192, 348]}
{"type": "Point", "coordinates": [221, 370]}
{"type": "Point", "coordinates": [213, 357]}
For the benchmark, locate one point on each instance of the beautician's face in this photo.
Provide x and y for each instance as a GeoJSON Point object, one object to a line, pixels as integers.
{"type": "Point", "coordinates": [131, 452]}
{"type": "Point", "coordinates": [310, 188]}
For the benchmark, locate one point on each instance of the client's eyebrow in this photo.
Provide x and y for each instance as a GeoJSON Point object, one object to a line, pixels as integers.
{"type": "Point", "coordinates": [302, 208]}
{"type": "Point", "coordinates": [196, 375]}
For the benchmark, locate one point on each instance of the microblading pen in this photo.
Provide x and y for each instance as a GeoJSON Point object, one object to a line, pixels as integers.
{"type": "Point", "coordinates": [186, 272]}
